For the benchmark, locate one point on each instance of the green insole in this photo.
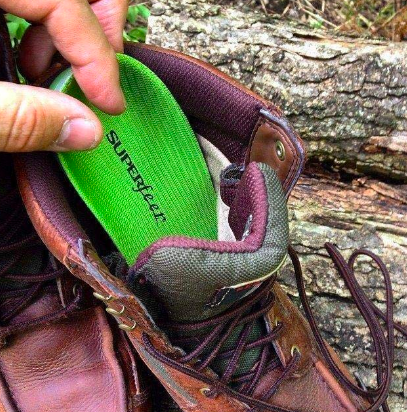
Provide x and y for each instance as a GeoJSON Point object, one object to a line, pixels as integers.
{"type": "Point", "coordinates": [148, 178]}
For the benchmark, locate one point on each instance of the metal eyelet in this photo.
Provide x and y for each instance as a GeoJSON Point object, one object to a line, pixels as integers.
{"type": "Point", "coordinates": [277, 322]}
{"type": "Point", "coordinates": [280, 150]}
{"type": "Point", "coordinates": [127, 328]}
{"type": "Point", "coordinates": [75, 290]}
{"type": "Point", "coordinates": [114, 312]}
{"type": "Point", "coordinates": [102, 298]}
{"type": "Point", "coordinates": [294, 349]}
{"type": "Point", "coordinates": [205, 391]}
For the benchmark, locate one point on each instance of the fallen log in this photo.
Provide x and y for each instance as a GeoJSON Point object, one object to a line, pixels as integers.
{"type": "Point", "coordinates": [347, 97]}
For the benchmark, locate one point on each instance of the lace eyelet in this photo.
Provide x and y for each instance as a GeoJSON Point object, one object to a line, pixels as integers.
{"type": "Point", "coordinates": [294, 349]}
{"type": "Point", "coordinates": [75, 288]}
{"type": "Point", "coordinates": [280, 150]}
{"type": "Point", "coordinates": [102, 298]}
{"type": "Point", "coordinates": [128, 328]}
{"type": "Point", "coordinates": [205, 392]}
{"type": "Point", "coordinates": [115, 312]}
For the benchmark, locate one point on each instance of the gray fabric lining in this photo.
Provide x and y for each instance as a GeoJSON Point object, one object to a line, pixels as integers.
{"type": "Point", "coordinates": [217, 162]}
{"type": "Point", "coordinates": [185, 279]}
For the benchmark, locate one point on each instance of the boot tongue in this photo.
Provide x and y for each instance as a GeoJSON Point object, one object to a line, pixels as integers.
{"type": "Point", "coordinates": [198, 279]}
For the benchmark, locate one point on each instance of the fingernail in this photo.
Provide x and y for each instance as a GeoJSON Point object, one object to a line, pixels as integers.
{"type": "Point", "coordinates": [77, 134]}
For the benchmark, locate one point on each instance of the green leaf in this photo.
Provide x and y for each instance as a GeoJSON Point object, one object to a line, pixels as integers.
{"type": "Point", "coordinates": [16, 27]}
{"type": "Point", "coordinates": [138, 34]}
{"type": "Point", "coordinates": [13, 29]}
{"type": "Point", "coordinates": [316, 24]}
{"type": "Point", "coordinates": [12, 18]}
{"type": "Point", "coordinates": [126, 37]}
{"type": "Point", "coordinates": [21, 78]}
{"type": "Point", "coordinates": [144, 11]}
{"type": "Point", "coordinates": [132, 14]}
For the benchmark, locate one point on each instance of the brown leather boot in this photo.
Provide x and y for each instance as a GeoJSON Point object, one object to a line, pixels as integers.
{"type": "Point", "coordinates": [208, 317]}
{"type": "Point", "coordinates": [58, 350]}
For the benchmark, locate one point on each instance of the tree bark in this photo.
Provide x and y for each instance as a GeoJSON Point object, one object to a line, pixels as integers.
{"type": "Point", "coordinates": [362, 213]}
{"type": "Point", "coordinates": [347, 97]}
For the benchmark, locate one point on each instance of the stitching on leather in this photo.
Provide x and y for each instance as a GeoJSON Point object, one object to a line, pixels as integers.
{"type": "Point", "coordinates": [232, 402]}
{"type": "Point", "coordinates": [288, 141]}
{"type": "Point", "coordinates": [296, 158]}
{"type": "Point", "coordinates": [114, 372]}
{"type": "Point", "coordinates": [328, 387]}
{"type": "Point", "coordinates": [70, 247]}
{"type": "Point", "coordinates": [296, 136]}
{"type": "Point", "coordinates": [259, 123]}
{"type": "Point", "coordinates": [291, 310]}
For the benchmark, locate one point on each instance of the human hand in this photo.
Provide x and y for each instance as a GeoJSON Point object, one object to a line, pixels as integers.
{"type": "Point", "coordinates": [87, 35]}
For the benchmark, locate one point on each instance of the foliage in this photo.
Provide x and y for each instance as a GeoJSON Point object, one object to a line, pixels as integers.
{"type": "Point", "coordinates": [385, 18]}
{"type": "Point", "coordinates": [135, 30]}
{"type": "Point", "coordinates": [16, 27]}
{"type": "Point", "coordinates": [136, 27]}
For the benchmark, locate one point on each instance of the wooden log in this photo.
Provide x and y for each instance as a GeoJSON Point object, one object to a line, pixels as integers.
{"type": "Point", "coordinates": [361, 213]}
{"type": "Point", "coordinates": [348, 99]}
{"type": "Point", "coordinates": [346, 96]}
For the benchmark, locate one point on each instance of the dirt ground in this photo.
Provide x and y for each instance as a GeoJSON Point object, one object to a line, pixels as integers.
{"type": "Point", "coordinates": [364, 18]}
{"type": "Point", "coordinates": [378, 18]}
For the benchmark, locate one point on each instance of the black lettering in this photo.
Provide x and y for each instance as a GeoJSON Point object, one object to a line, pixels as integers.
{"type": "Point", "coordinates": [132, 170]}
{"type": "Point", "coordinates": [141, 187]}
{"type": "Point", "coordinates": [137, 178]}
{"type": "Point", "coordinates": [112, 137]}
{"type": "Point", "coordinates": [116, 146]}
{"type": "Point", "coordinates": [160, 215]}
{"type": "Point", "coordinates": [126, 159]}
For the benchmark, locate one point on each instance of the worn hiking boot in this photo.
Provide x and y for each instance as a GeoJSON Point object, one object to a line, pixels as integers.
{"type": "Point", "coordinates": [207, 316]}
{"type": "Point", "coordinates": [58, 351]}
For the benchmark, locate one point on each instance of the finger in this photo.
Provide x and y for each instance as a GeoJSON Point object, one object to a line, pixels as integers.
{"type": "Point", "coordinates": [36, 49]}
{"type": "Point", "coordinates": [35, 52]}
{"type": "Point", "coordinates": [112, 17]}
{"type": "Point", "coordinates": [78, 36]}
{"type": "Point", "coordinates": [38, 119]}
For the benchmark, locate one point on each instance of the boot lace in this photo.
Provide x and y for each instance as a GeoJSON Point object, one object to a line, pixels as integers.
{"type": "Point", "coordinates": [255, 307]}
{"type": "Point", "coordinates": [18, 240]}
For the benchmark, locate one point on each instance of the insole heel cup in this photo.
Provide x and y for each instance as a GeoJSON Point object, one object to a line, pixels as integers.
{"type": "Point", "coordinates": [148, 178]}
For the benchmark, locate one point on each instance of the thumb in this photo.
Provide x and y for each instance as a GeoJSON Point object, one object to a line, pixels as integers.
{"type": "Point", "coordinates": [32, 118]}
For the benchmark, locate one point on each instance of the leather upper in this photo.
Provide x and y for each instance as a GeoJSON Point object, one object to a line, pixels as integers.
{"type": "Point", "coordinates": [312, 388]}
{"type": "Point", "coordinates": [68, 366]}
{"type": "Point", "coordinates": [80, 363]}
